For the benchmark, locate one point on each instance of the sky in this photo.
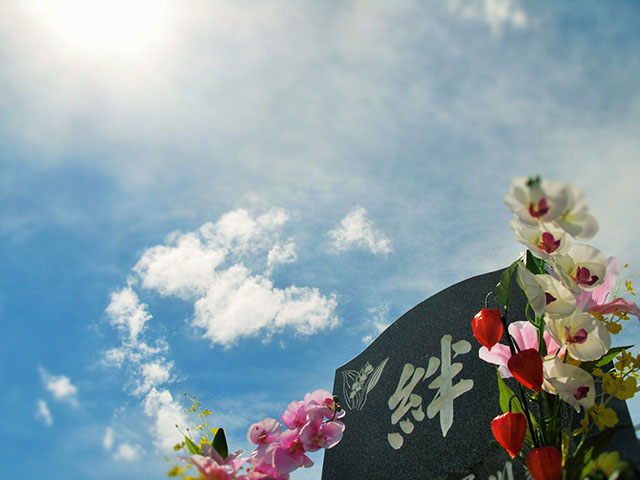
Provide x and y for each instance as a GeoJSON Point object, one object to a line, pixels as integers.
{"type": "Point", "coordinates": [233, 199]}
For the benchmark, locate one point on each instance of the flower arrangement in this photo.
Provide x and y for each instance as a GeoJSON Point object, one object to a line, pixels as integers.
{"type": "Point", "coordinates": [311, 424]}
{"type": "Point", "coordinates": [559, 422]}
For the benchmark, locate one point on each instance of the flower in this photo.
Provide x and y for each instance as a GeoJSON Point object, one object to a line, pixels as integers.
{"type": "Point", "coordinates": [213, 467]}
{"type": "Point", "coordinates": [558, 299]}
{"type": "Point", "coordinates": [322, 403]}
{"type": "Point", "coordinates": [487, 327]}
{"type": "Point", "coordinates": [544, 240]}
{"type": "Point", "coordinates": [573, 384]}
{"type": "Point", "coordinates": [585, 337]}
{"type": "Point", "coordinates": [544, 463]}
{"type": "Point", "coordinates": [289, 454]}
{"type": "Point", "coordinates": [533, 200]}
{"type": "Point", "coordinates": [525, 336]}
{"type": "Point", "coordinates": [532, 289]}
{"type": "Point", "coordinates": [526, 367]}
{"type": "Point", "coordinates": [600, 301]}
{"type": "Point", "coordinates": [264, 433]}
{"type": "Point", "coordinates": [317, 434]}
{"type": "Point", "coordinates": [295, 416]}
{"type": "Point", "coordinates": [575, 218]}
{"type": "Point", "coordinates": [510, 429]}
{"type": "Point", "coordinates": [581, 268]}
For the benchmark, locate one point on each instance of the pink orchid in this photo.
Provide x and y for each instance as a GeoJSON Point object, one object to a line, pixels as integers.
{"type": "Point", "coordinates": [525, 336]}
{"type": "Point", "coordinates": [295, 416]}
{"type": "Point", "coordinates": [262, 468]}
{"type": "Point", "coordinates": [213, 467]}
{"type": "Point", "coordinates": [599, 300]}
{"type": "Point", "coordinates": [263, 434]}
{"type": "Point", "coordinates": [290, 453]}
{"type": "Point", "coordinates": [317, 434]}
{"type": "Point", "coordinates": [320, 402]}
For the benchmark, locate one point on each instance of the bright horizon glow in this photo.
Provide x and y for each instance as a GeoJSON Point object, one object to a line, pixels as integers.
{"type": "Point", "coordinates": [120, 28]}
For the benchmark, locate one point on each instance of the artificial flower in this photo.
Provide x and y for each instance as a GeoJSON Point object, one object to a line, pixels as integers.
{"type": "Point", "coordinates": [526, 367]}
{"type": "Point", "coordinates": [575, 218]}
{"type": "Point", "coordinates": [600, 301]}
{"type": "Point", "coordinates": [487, 327]}
{"type": "Point", "coordinates": [585, 337]}
{"type": "Point", "coordinates": [573, 384]}
{"type": "Point", "coordinates": [543, 240]}
{"type": "Point", "coordinates": [581, 268]}
{"type": "Point", "coordinates": [510, 430]}
{"type": "Point", "coordinates": [533, 200]}
{"type": "Point", "coordinates": [544, 463]}
{"type": "Point", "coordinates": [525, 335]}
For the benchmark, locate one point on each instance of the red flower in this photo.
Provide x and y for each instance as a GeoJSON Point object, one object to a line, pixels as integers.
{"type": "Point", "coordinates": [526, 367]}
{"type": "Point", "coordinates": [544, 463]}
{"type": "Point", "coordinates": [487, 327]}
{"type": "Point", "coordinates": [509, 429]}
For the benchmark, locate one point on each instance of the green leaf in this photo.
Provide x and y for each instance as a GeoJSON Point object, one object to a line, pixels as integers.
{"type": "Point", "coordinates": [589, 450]}
{"type": "Point", "coordinates": [506, 394]}
{"type": "Point", "coordinates": [534, 265]}
{"type": "Point", "coordinates": [220, 443]}
{"type": "Point", "coordinates": [608, 357]}
{"type": "Point", "coordinates": [193, 448]}
{"type": "Point", "coordinates": [503, 288]}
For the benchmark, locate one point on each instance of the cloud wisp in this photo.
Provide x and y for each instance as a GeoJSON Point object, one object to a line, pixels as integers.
{"type": "Point", "coordinates": [357, 231]}
{"type": "Point", "coordinates": [43, 413]}
{"type": "Point", "coordinates": [60, 387]}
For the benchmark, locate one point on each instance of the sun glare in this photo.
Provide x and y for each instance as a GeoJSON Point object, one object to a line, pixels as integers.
{"type": "Point", "coordinates": [117, 27]}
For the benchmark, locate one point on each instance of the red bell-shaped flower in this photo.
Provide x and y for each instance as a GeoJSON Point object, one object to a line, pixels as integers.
{"type": "Point", "coordinates": [509, 429]}
{"type": "Point", "coordinates": [544, 463]}
{"type": "Point", "coordinates": [487, 327]}
{"type": "Point", "coordinates": [526, 367]}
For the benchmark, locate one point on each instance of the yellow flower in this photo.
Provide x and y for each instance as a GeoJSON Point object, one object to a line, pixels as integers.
{"type": "Point", "coordinates": [607, 462]}
{"type": "Point", "coordinates": [629, 287]}
{"type": "Point", "coordinates": [603, 416]}
{"type": "Point", "coordinates": [624, 360]}
{"type": "Point", "coordinates": [584, 423]}
{"type": "Point", "coordinates": [613, 327]}
{"type": "Point", "coordinates": [616, 386]}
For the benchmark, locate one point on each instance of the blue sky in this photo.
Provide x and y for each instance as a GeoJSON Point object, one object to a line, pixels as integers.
{"type": "Point", "coordinates": [231, 199]}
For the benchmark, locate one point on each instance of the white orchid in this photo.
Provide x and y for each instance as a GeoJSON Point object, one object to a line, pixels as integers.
{"type": "Point", "coordinates": [543, 239]}
{"type": "Point", "coordinates": [585, 337]}
{"type": "Point", "coordinates": [559, 300]}
{"type": "Point", "coordinates": [531, 288]}
{"type": "Point", "coordinates": [581, 268]}
{"type": "Point", "coordinates": [545, 293]}
{"type": "Point", "coordinates": [575, 218]}
{"type": "Point", "coordinates": [533, 200]}
{"type": "Point", "coordinates": [573, 384]}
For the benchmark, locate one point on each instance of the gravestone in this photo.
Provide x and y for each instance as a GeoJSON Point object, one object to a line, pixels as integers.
{"type": "Point", "coordinates": [419, 401]}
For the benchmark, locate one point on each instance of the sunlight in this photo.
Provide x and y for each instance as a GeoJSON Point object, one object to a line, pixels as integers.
{"type": "Point", "coordinates": [122, 28]}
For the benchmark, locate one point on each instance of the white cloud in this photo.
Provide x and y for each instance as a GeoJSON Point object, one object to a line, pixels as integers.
{"type": "Point", "coordinates": [127, 452]}
{"type": "Point", "coordinates": [215, 267]}
{"type": "Point", "coordinates": [166, 413]}
{"type": "Point", "coordinates": [183, 269]}
{"type": "Point", "coordinates": [126, 312]}
{"type": "Point", "coordinates": [281, 254]}
{"type": "Point", "coordinates": [60, 387]}
{"type": "Point", "coordinates": [239, 304]}
{"type": "Point", "coordinates": [356, 230]}
{"type": "Point", "coordinates": [43, 413]}
{"type": "Point", "coordinates": [497, 14]}
{"type": "Point", "coordinates": [153, 373]}
{"type": "Point", "coordinates": [107, 440]}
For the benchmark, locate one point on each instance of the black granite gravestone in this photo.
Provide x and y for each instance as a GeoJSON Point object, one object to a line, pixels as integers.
{"type": "Point", "coordinates": [419, 400]}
